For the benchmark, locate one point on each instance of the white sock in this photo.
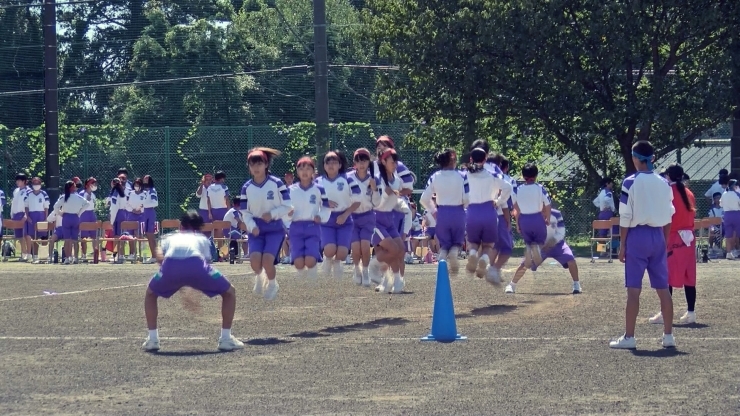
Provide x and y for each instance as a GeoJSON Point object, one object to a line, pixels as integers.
{"type": "Point", "coordinates": [397, 276]}
{"type": "Point", "coordinates": [153, 334]}
{"type": "Point", "coordinates": [225, 333]}
{"type": "Point", "coordinates": [312, 272]}
{"type": "Point", "coordinates": [485, 258]}
{"type": "Point", "coordinates": [473, 253]}
{"type": "Point", "coordinates": [357, 268]}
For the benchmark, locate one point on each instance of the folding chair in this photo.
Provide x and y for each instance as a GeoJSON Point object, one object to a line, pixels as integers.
{"type": "Point", "coordinates": [421, 251]}
{"type": "Point", "coordinates": [225, 239]}
{"type": "Point", "coordinates": [134, 229]}
{"type": "Point", "coordinates": [702, 239]}
{"type": "Point", "coordinates": [94, 227]}
{"type": "Point", "coordinates": [12, 225]}
{"type": "Point", "coordinates": [41, 227]}
{"type": "Point", "coordinates": [167, 225]}
{"type": "Point", "coordinates": [714, 222]}
{"type": "Point", "coordinates": [596, 226]}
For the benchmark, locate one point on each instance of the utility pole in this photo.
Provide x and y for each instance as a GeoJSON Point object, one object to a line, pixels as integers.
{"type": "Point", "coordinates": [51, 99]}
{"type": "Point", "coordinates": [321, 75]}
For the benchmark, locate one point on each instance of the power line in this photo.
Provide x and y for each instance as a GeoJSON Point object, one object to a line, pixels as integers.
{"type": "Point", "coordinates": [195, 78]}
{"type": "Point", "coordinates": [157, 81]}
{"type": "Point", "coordinates": [19, 6]}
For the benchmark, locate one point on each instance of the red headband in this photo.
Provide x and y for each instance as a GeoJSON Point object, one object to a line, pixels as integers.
{"type": "Point", "coordinates": [257, 153]}
{"type": "Point", "coordinates": [361, 152]}
{"type": "Point", "coordinates": [387, 154]}
{"type": "Point", "coordinates": [305, 160]}
{"type": "Point", "coordinates": [386, 140]}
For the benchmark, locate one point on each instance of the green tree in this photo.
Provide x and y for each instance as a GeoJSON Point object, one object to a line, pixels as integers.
{"type": "Point", "coordinates": [590, 77]}
{"type": "Point", "coordinates": [21, 67]}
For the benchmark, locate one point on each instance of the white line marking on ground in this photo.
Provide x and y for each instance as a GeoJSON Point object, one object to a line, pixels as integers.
{"type": "Point", "coordinates": [76, 292]}
{"type": "Point", "coordinates": [347, 340]}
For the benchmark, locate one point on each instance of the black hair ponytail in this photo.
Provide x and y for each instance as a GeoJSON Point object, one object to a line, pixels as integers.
{"type": "Point", "coordinates": [675, 174]}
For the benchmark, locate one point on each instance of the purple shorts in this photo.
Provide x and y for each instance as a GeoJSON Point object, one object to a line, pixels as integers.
{"type": "Point", "coordinates": [121, 216]}
{"type": "Point", "coordinates": [206, 219]}
{"type": "Point", "coordinates": [732, 224]}
{"type": "Point", "coordinates": [59, 233]}
{"type": "Point", "coordinates": [20, 232]}
{"type": "Point", "coordinates": [385, 227]}
{"type": "Point", "coordinates": [149, 219]}
{"type": "Point", "coordinates": [339, 235]}
{"type": "Point", "coordinates": [399, 218]}
{"type": "Point", "coordinates": [70, 227]}
{"type": "Point", "coordinates": [218, 215]}
{"type": "Point", "coordinates": [505, 242]}
{"type": "Point", "coordinates": [363, 226]}
{"type": "Point", "coordinates": [607, 215]}
{"type": "Point", "coordinates": [269, 240]}
{"type": "Point", "coordinates": [533, 228]}
{"type": "Point", "coordinates": [561, 252]}
{"type": "Point", "coordinates": [34, 218]}
{"type": "Point", "coordinates": [645, 250]}
{"type": "Point", "coordinates": [174, 274]}
{"type": "Point", "coordinates": [305, 240]}
{"type": "Point", "coordinates": [88, 216]}
{"type": "Point", "coordinates": [450, 226]}
{"type": "Point", "coordinates": [431, 232]}
{"type": "Point", "coordinates": [482, 223]}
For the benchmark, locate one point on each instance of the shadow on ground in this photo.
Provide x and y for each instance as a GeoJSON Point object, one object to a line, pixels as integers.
{"type": "Point", "coordinates": [359, 326]}
{"type": "Point", "coordinates": [487, 311]}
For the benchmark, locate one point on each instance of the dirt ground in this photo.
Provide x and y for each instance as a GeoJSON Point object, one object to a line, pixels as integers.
{"type": "Point", "coordinates": [330, 347]}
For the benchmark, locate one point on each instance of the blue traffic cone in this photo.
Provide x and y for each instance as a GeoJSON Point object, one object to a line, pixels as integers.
{"type": "Point", "coordinates": [444, 328]}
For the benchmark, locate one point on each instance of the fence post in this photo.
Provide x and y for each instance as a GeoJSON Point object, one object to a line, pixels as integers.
{"type": "Point", "coordinates": [167, 173]}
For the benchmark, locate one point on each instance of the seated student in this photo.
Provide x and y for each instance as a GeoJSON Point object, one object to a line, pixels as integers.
{"type": "Point", "coordinates": [238, 228]}
{"type": "Point", "coordinates": [716, 232]}
{"type": "Point", "coordinates": [556, 248]}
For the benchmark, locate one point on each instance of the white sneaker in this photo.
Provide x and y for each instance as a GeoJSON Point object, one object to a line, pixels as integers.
{"type": "Point", "coordinates": [480, 271]}
{"type": "Point", "coordinates": [528, 257]}
{"type": "Point", "coordinates": [657, 319]}
{"type": "Point", "coordinates": [384, 284]}
{"type": "Point", "coordinates": [150, 344]}
{"type": "Point", "coordinates": [150, 260]}
{"type": "Point", "coordinates": [472, 264]}
{"type": "Point", "coordinates": [357, 276]}
{"type": "Point", "coordinates": [36, 260]}
{"type": "Point", "coordinates": [510, 288]}
{"type": "Point", "coordinates": [624, 343]}
{"type": "Point", "coordinates": [83, 258]}
{"type": "Point", "coordinates": [338, 269]}
{"type": "Point", "coordinates": [271, 289]}
{"type": "Point", "coordinates": [577, 288]}
{"type": "Point", "coordinates": [259, 283]}
{"type": "Point", "coordinates": [669, 341]}
{"type": "Point", "coordinates": [688, 318]}
{"type": "Point", "coordinates": [493, 276]}
{"type": "Point", "coordinates": [365, 277]}
{"type": "Point", "coordinates": [398, 285]}
{"type": "Point", "coordinates": [536, 255]}
{"type": "Point", "coordinates": [375, 272]}
{"type": "Point", "coordinates": [453, 263]}
{"type": "Point", "coordinates": [326, 267]}
{"type": "Point", "coordinates": [230, 344]}
{"type": "Point", "coordinates": [730, 256]}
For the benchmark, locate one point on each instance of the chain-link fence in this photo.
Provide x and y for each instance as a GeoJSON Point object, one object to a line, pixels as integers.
{"type": "Point", "coordinates": [178, 157]}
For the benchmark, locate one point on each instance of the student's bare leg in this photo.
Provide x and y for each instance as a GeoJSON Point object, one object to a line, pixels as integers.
{"type": "Point", "coordinates": [228, 308]}
{"type": "Point", "coordinates": [573, 269]}
{"type": "Point", "coordinates": [632, 310]}
{"type": "Point", "coordinates": [365, 249]}
{"type": "Point", "coordinates": [666, 309]}
{"type": "Point", "coordinates": [150, 309]}
{"type": "Point", "coordinates": [152, 243]}
{"type": "Point", "coordinates": [268, 263]}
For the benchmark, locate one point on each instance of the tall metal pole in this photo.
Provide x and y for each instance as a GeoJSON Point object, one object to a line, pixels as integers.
{"type": "Point", "coordinates": [735, 141]}
{"type": "Point", "coordinates": [321, 78]}
{"type": "Point", "coordinates": [51, 99]}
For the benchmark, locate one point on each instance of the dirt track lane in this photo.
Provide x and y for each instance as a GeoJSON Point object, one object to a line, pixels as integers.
{"type": "Point", "coordinates": [333, 348]}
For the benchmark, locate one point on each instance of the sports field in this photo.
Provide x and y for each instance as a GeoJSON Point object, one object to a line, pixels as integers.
{"type": "Point", "coordinates": [330, 347]}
